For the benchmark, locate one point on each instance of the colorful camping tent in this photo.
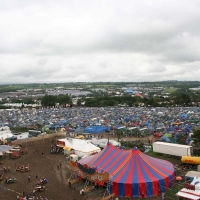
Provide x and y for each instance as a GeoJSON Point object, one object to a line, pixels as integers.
{"type": "Point", "coordinates": [132, 172]}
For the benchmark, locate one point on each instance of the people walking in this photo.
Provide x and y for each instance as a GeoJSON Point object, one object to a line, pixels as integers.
{"type": "Point", "coordinates": [142, 194]}
{"type": "Point", "coordinates": [29, 178]}
{"type": "Point", "coordinates": [70, 185]}
{"type": "Point", "coordinates": [82, 191]}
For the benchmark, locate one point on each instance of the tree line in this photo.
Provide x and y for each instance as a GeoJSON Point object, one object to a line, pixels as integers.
{"type": "Point", "coordinates": [178, 98]}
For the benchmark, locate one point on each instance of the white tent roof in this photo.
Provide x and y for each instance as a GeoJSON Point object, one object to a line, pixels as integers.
{"type": "Point", "coordinates": [4, 148]}
{"type": "Point", "coordinates": [80, 145]}
{"type": "Point", "coordinates": [193, 174]}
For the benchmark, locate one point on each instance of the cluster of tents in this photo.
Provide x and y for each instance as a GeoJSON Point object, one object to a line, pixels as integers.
{"type": "Point", "coordinates": [179, 120]}
{"type": "Point", "coordinates": [57, 117]}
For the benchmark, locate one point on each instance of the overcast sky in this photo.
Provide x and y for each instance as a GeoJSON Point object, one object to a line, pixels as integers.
{"type": "Point", "coordinates": [106, 40]}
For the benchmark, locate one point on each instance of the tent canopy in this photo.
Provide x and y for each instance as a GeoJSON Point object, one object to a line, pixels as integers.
{"type": "Point", "coordinates": [96, 129]}
{"type": "Point", "coordinates": [4, 148]}
{"type": "Point", "coordinates": [132, 172]}
{"type": "Point", "coordinates": [82, 146]}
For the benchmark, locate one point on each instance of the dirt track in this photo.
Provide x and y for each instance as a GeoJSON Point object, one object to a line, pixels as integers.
{"type": "Point", "coordinates": [45, 167]}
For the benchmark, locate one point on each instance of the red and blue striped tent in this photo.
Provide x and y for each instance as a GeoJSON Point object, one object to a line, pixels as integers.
{"type": "Point", "coordinates": [131, 172]}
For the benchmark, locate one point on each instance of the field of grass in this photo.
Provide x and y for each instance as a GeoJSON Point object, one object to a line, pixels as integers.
{"type": "Point", "coordinates": [160, 156]}
{"type": "Point", "coordinates": [170, 90]}
{"type": "Point", "coordinates": [171, 193]}
{"type": "Point", "coordinates": [105, 86]}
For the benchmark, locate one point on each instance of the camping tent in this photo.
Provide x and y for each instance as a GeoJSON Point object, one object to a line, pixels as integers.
{"type": "Point", "coordinates": [132, 172]}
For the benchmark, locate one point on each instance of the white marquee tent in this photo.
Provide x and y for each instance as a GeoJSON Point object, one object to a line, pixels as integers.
{"type": "Point", "coordinates": [80, 147]}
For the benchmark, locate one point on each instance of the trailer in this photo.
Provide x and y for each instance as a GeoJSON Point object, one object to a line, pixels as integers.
{"type": "Point", "coordinates": [173, 149]}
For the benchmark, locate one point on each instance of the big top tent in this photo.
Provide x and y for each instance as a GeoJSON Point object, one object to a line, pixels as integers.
{"type": "Point", "coordinates": [131, 172]}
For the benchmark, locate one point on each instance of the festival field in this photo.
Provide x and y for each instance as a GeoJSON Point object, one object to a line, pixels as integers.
{"type": "Point", "coordinates": [45, 165]}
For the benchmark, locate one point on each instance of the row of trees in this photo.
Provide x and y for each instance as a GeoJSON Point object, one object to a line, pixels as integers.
{"type": "Point", "coordinates": [50, 100]}
{"type": "Point", "coordinates": [181, 99]}
{"type": "Point", "coordinates": [177, 98]}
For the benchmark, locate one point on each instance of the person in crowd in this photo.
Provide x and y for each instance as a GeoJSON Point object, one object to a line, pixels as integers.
{"type": "Point", "coordinates": [70, 185]}
{"type": "Point", "coordinates": [82, 191]}
{"type": "Point", "coordinates": [142, 194]}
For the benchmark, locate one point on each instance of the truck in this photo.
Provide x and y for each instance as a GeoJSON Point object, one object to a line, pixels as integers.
{"type": "Point", "coordinates": [178, 150]}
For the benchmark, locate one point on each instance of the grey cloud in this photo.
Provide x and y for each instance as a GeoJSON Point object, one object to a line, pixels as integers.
{"type": "Point", "coordinates": [55, 41]}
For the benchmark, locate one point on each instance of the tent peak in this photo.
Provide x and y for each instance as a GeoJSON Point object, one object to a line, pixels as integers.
{"type": "Point", "coordinates": [135, 150]}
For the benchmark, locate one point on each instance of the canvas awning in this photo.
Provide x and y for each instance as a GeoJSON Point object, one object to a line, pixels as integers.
{"type": "Point", "coordinates": [17, 147]}
{"type": "Point", "coordinates": [14, 149]}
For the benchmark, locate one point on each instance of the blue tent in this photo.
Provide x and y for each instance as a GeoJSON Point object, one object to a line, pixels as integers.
{"type": "Point", "coordinates": [96, 129]}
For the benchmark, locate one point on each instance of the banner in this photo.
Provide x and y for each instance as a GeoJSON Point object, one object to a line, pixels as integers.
{"type": "Point", "coordinates": [96, 177]}
{"type": "Point", "coordinates": [99, 177]}
{"type": "Point", "coordinates": [76, 170]}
